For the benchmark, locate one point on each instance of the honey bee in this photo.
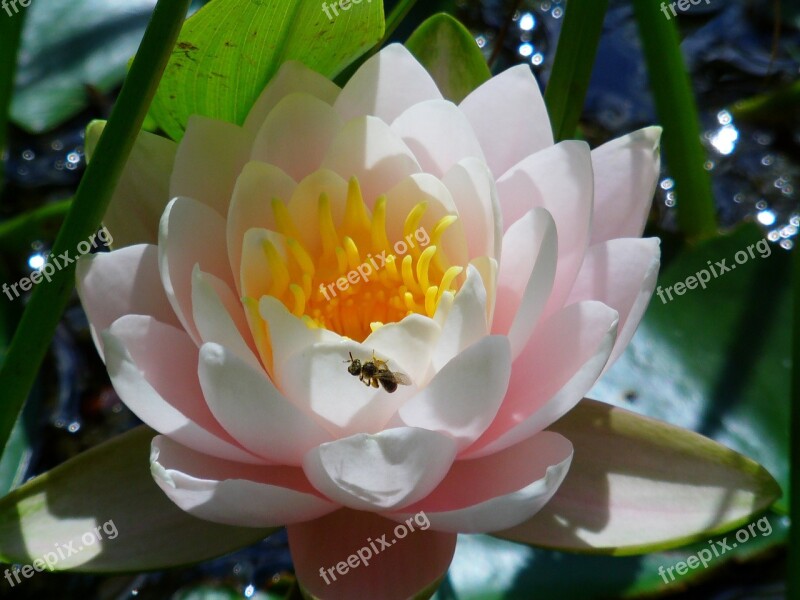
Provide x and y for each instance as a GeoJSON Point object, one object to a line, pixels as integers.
{"type": "Point", "coordinates": [376, 372]}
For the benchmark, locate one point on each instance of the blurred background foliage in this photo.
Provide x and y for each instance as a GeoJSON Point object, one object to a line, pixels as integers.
{"type": "Point", "coordinates": [717, 360]}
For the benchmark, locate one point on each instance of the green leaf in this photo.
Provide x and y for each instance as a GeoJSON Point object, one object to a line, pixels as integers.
{"type": "Point", "coordinates": [110, 487]}
{"type": "Point", "coordinates": [87, 44]}
{"type": "Point", "coordinates": [572, 66]}
{"type": "Point", "coordinates": [509, 571]}
{"type": "Point", "coordinates": [677, 112]}
{"type": "Point", "coordinates": [640, 485]}
{"type": "Point", "coordinates": [230, 49]}
{"type": "Point", "coordinates": [10, 36]}
{"type": "Point", "coordinates": [450, 54]}
{"type": "Point", "coordinates": [717, 360]}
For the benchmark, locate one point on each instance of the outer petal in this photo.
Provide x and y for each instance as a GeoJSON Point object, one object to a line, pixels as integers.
{"type": "Point", "coordinates": [438, 134]}
{"type": "Point", "coordinates": [367, 149]}
{"type": "Point", "coordinates": [558, 366]}
{"type": "Point", "coordinates": [292, 77]}
{"type": "Point", "coordinates": [154, 369]}
{"type": "Point", "coordinates": [387, 470]}
{"type": "Point", "coordinates": [463, 398]}
{"type": "Point", "coordinates": [210, 157]}
{"type": "Point", "coordinates": [296, 135]}
{"type": "Point", "coordinates": [253, 411]}
{"type": "Point", "coordinates": [622, 274]}
{"type": "Point", "coordinates": [498, 491]}
{"type": "Point", "coordinates": [525, 278]}
{"type": "Point", "coordinates": [386, 85]}
{"type": "Point", "coordinates": [415, 561]}
{"type": "Point", "coordinates": [191, 233]}
{"type": "Point", "coordinates": [231, 493]}
{"type": "Point", "coordinates": [626, 171]}
{"type": "Point", "coordinates": [126, 281]}
{"type": "Point", "coordinates": [559, 179]}
{"type": "Point", "coordinates": [143, 188]}
{"type": "Point", "coordinates": [509, 117]}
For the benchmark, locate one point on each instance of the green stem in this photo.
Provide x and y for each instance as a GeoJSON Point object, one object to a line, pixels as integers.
{"type": "Point", "coordinates": [10, 37]}
{"type": "Point", "coordinates": [37, 224]}
{"type": "Point", "coordinates": [43, 312]}
{"type": "Point", "coordinates": [771, 107]}
{"type": "Point", "coordinates": [793, 574]}
{"type": "Point", "coordinates": [677, 112]}
{"type": "Point", "coordinates": [572, 67]}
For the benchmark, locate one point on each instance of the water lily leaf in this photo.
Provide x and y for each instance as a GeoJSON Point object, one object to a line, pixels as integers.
{"type": "Point", "coordinates": [717, 360]}
{"type": "Point", "coordinates": [70, 49]}
{"type": "Point", "coordinates": [640, 485]}
{"type": "Point", "coordinates": [450, 54]}
{"type": "Point", "coordinates": [102, 512]}
{"type": "Point", "coordinates": [230, 49]}
{"type": "Point", "coordinates": [488, 568]}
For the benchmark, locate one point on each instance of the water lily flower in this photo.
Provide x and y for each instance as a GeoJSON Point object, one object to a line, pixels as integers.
{"type": "Point", "coordinates": [486, 272]}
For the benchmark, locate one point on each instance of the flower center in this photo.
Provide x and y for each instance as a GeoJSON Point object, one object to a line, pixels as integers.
{"type": "Point", "coordinates": [357, 279]}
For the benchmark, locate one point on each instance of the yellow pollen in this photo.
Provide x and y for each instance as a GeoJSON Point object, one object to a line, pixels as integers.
{"type": "Point", "coordinates": [356, 280]}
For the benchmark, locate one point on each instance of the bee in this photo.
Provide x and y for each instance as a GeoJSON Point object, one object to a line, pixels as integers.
{"type": "Point", "coordinates": [376, 372]}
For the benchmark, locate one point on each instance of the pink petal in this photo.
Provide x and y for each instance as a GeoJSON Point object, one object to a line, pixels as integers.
{"type": "Point", "coordinates": [413, 562]}
{"type": "Point", "coordinates": [292, 77]}
{"type": "Point", "coordinates": [220, 317]}
{"type": "Point", "coordinates": [191, 233]}
{"type": "Point", "coordinates": [387, 470]}
{"type": "Point", "coordinates": [525, 278]}
{"type": "Point", "coordinates": [463, 397]}
{"type": "Point", "coordinates": [209, 159]}
{"type": "Point", "coordinates": [232, 493]}
{"type": "Point", "coordinates": [622, 274]}
{"type": "Point", "coordinates": [255, 189]}
{"type": "Point", "coordinates": [386, 85]}
{"type": "Point", "coordinates": [560, 180]}
{"type": "Point", "coordinates": [253, 411]}
{"type": "Point", "coordinates": [368, 149]}
{"type": "Point", "coordinates": [154, 370]}
{"type": "Point", "coordinates": [438, 134]}
{"type": "Point", "coordinates": [500, 490]}
{"type": "Point", "coordinates": [142, 191]}
{"type": "Point", "coordinates": [474, 193]}
{"type": "Point", "coordinates": [626, 172]}
{"type": "Point", "coordinates": [119, 283]}
{"type": "Point", "coordinates": [509, 117]}
{"type": "Point", "coordinates": [559, 365]}
{"type": "Point", "coordinates": [296, 135]}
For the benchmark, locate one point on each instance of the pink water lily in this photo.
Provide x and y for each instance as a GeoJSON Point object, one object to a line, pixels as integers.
{"type": "Point", "coordinates": [503, 274]}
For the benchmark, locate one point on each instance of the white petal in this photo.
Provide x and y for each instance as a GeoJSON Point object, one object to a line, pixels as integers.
{"type": "Point", "coordinates": [209, 159]}
{"type": "Point", "coordinates": [408, 344]}
{"type": "Point", "coordinates": [387, 470]}
{"type": "Point", "coordinates": [154, 370]}
{"type": "Point", "coordinates": [509, 117]}
{"type": "Point", "coordinates": [253, 411]}
{"type": "Point", "coordinates": [464, 396]}
{"type": "Point", "coordinates": [231, 493]}
{"type": "Point", "coordinates": [438, 134]}
{"type": "Point", "coordinates": [386, 85]}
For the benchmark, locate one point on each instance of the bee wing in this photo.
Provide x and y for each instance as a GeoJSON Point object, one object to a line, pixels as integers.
{"type": "Point", "coordinates": [400, 378]}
